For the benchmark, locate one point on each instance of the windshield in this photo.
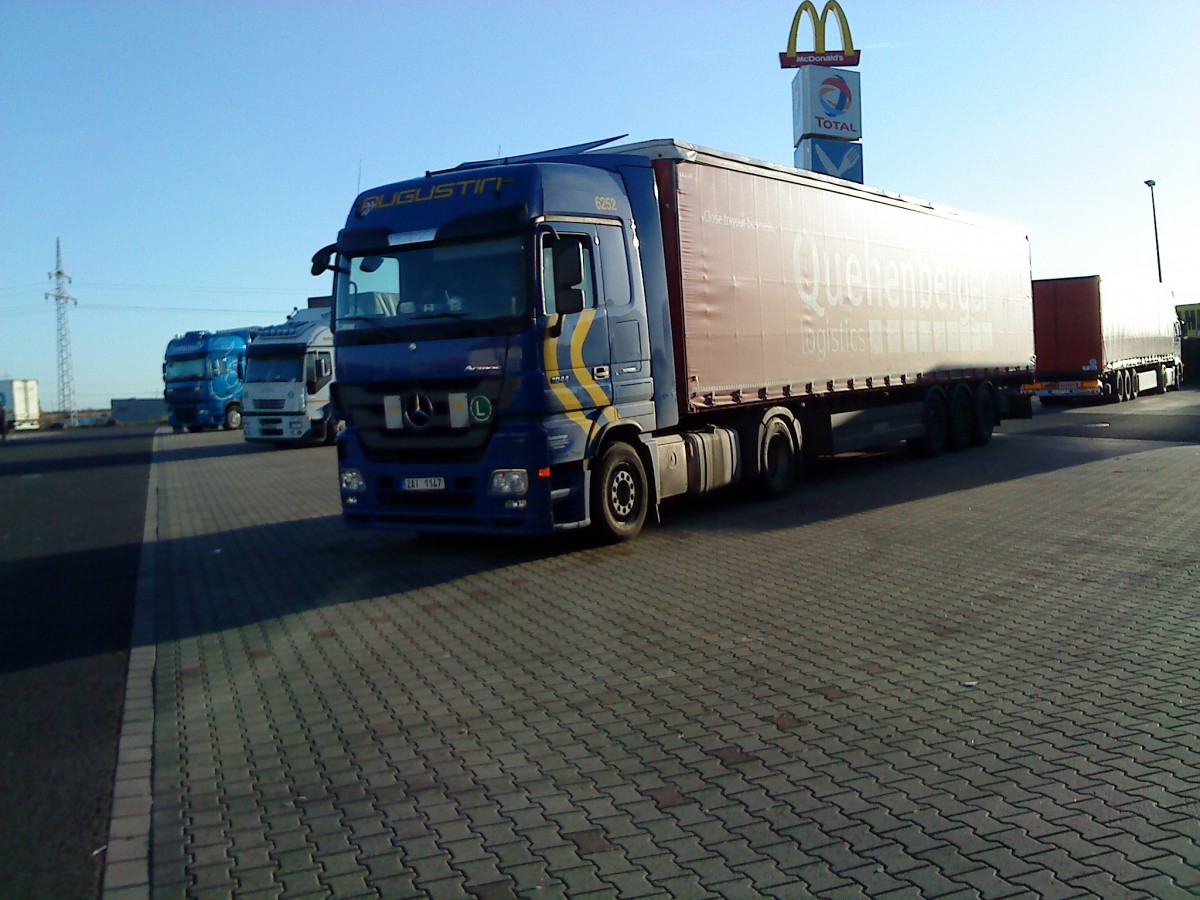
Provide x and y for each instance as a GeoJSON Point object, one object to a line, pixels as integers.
{"type": "Point", "coordinates": [280, 366]}
{"type": "Point", "coordinates": [188, 369]}
{"type": "Point", "coordinates": [481, 284]}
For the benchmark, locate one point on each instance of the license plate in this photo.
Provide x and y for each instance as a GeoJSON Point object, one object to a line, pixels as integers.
{"type": "Point", "coordinates": [425, 484]}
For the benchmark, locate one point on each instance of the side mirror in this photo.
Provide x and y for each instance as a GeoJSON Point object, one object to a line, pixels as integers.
{"type": "Point", "coordinates": [322, 260]}
{"type": "Point", "coordinates": [568, 300]}
{"type": "Point", "coordinates": [568, 264]}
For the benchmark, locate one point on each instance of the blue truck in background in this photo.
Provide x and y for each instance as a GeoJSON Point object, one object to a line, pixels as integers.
{"type": "Point", "coordinates": [203, 373]}
{"type": "Point", "coordinates": [566, 339]}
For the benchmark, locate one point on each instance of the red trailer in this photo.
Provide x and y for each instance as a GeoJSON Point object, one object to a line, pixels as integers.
{"type": "Point", "coordinates": [1104, 338]}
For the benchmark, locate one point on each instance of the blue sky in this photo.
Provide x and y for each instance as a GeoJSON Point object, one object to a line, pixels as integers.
{"type": "Point", "coordinates": [192, 155]}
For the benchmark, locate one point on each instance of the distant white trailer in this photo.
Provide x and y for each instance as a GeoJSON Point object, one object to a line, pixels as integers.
{"type": "Point", "coordinates": [19, 397]}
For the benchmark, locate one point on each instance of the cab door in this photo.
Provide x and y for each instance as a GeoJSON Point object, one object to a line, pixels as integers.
{"type": "Point", "coordinates": [575, 342]}
{"type": "Point", "coordinates": [628, 337]}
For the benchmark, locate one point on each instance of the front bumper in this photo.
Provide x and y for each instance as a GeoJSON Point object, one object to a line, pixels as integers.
{"type": "Point", "coordinates": [278, 428]}
{"type": "Point", "coordinates": [433, 496]}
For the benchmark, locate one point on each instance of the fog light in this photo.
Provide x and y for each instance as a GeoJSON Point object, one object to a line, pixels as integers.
{"type": "Point", "coordinates": [353, 481]}
{"type": "Point", "coordinates": [509, 482]}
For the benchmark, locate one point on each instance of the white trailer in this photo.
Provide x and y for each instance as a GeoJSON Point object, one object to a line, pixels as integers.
{"type": "Point", "coordinates": [19, 397]}
{"type": "Point", "coordinates": [289, 370]}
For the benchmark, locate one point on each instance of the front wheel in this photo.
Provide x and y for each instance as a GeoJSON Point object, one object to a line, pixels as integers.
{"type": "Point", "coordinates": [233, 418]}
{"type": "Point", "coordinates": [619, 494]}
{"type": "Point", "coordinates": [333, 427]}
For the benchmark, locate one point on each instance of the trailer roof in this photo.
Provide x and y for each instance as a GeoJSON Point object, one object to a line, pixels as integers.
{"type": "Point", "coordinates": [672, 148]}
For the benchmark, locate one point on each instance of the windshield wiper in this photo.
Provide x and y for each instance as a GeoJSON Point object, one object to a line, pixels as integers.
{"type": "Point", "coordinates": [439, 315]}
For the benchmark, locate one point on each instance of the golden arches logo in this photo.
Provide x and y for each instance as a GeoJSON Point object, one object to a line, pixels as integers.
{"type": "Point", "coordinates": [819, 56]}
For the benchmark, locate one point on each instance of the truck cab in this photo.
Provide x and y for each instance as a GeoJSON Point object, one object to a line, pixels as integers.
{"type": "Point", "coordinates": [491, 327]}
{"type": "Point", "coordinates": [202, 376]}
{"type": "Point", "coordinates": [289, 373]}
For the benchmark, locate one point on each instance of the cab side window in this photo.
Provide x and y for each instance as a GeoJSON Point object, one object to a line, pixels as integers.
{"type": "Point", "coordinates": [318, 370]}
{"type": "Point", "coordinates": [568, 282]}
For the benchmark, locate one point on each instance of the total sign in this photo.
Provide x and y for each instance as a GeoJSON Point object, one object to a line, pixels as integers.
{"type": "Point", "coordinates": [825, 103]}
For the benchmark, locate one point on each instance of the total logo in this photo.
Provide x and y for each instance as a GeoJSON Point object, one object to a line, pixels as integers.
{"type": "Point", "coordinates": [835, 96]}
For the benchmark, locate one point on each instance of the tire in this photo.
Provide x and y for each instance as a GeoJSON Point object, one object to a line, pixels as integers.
{"type": "Point", "coordinates": [1134, 384]}
{"type": "Point", "coordinates": [935, 416]}
{"type": "Point", "coordinates": [777, 460]}
{"type": "Point", "coordinates": [985, 415]}
{"type": "Point", "coordinates": [233, 418]}
{"type": "Point", "coordinates": [620, 494]}
{"type": "Point", "coordinates": [962, 418]}
{"type": "Point", "coordinates": [333, 427]}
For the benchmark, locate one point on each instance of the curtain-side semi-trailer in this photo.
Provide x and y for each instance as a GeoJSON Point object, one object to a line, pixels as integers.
{"type": "Point", "coordinates": [1108, 338]}
{"type": "Point", "coordinates": [202, 376]}
{"type": "Point", "coordinates": [289, 368]}
{"type": "Point", "coordinates": [569, 338]}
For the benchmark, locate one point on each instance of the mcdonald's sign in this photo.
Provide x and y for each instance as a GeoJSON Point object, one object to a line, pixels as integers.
{"type": "Point", "coordinates": [819, 56]}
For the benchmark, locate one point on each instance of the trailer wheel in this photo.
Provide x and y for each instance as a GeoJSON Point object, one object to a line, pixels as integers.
{"type": "Point", "coordinates": [985, 415]}
{"type": "Point", "coordinates": [619, 494]}
{"type": "Point", "coordinates": [962, 418]}
{"type": "Point", "coordinates": [935, 417]}
{"type": "Point", "coordinates": [1135, 384]}
{"type": "Point", "coordinates": [1119, 389]}
{"type": "Point", "coordinates": [777, 459]}
{"type": "Point", "coordinates": [233, 418]}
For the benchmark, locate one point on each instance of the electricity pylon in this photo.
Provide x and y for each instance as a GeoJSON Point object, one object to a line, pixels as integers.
{"type": "Point", "coordinates": [66, 369]}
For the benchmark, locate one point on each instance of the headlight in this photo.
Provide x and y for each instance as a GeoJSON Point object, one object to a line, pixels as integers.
{"type": "Point", "coordinates": [353, 481]}
{"type": "Point", "coordinates": [509, 482]}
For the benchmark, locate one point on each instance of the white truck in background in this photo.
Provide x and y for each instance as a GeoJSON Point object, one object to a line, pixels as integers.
{"type": "Point", "coordinates": [19, 397]}
{"type": "Point", "coordinates": [289, 370]}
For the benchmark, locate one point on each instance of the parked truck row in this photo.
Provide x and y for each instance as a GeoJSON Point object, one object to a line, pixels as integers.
{"type": "Point", "coordinates": [272, 381]}
{"type": "Point", "coordinates": [567, 339]}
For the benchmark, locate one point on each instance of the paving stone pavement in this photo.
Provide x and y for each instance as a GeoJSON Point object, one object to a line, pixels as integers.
{"type": "Point", "coordinates": [973, 676]}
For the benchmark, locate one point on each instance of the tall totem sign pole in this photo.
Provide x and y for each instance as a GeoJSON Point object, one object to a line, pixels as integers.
{"type": "Point", "coordinates": [826, 104]}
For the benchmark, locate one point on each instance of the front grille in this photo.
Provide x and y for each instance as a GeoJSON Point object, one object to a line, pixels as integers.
{"type": "Point", "coordinates": [269, 405]}
{"type": "Point", "coordinates": [363, 405]}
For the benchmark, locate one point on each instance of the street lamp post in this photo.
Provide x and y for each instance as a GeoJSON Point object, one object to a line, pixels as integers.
{"type": "Point", "coordinates": [1154, 213]}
